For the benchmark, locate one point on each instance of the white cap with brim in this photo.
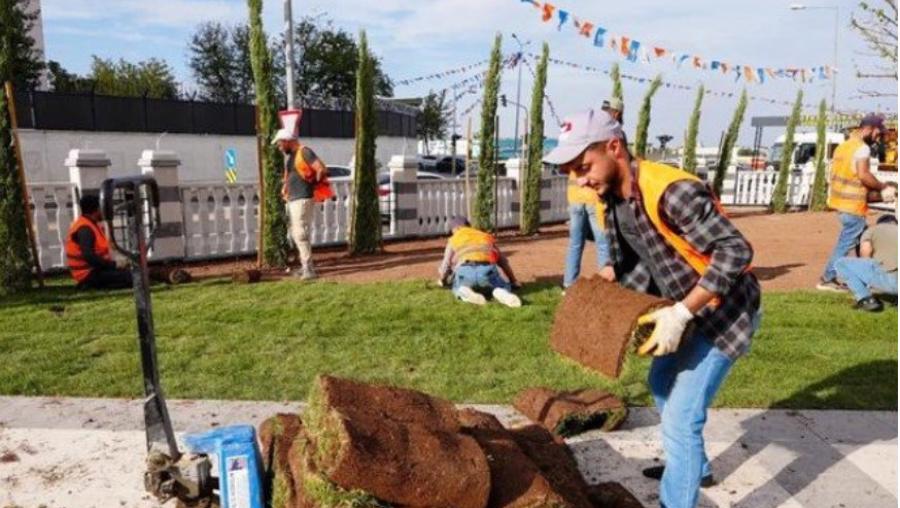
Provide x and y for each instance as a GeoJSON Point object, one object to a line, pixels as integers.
{"type": "Point", "coordinates": [580, 131]}
{"type": "Point", "coordinates": [283, 135]}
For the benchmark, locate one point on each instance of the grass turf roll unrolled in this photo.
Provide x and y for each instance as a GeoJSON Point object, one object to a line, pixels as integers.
{"type": "Point", "coordinates": [568, 413]}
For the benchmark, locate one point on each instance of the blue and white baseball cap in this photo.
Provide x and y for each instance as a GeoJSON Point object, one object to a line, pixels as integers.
{"type": "Point", "coordinates": [580, 131]}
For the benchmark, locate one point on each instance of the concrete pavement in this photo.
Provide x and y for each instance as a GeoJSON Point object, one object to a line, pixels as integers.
{"type": "Point", "coordinates": [74, 453]}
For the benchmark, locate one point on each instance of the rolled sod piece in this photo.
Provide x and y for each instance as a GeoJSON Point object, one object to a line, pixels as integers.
{"type": "Point", "coordinates": [516, 480]}
{"type": "Point", "coordinates": [315, 490]}
{"type": "Point", "coordinates": [570, 413]}
{"type": "Point", "coordinates": [556, 462]}
{"type": "Point", "coordinates": [401, 446]}
{"type": "Point", "coordinates": [613, 495]}
{"type": "Point", "coordinates": [276, 437]}
{"type": "Point", "coordinates": [596, 322]}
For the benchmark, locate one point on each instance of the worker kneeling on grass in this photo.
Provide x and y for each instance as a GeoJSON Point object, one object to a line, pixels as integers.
{"type": "Point", "coordinates": [876, 267]}
{"type": "Point", "coordinates": [87, 251]}
{"type": "Point", "coordinates": [470, 261]}
{"type": "Point", "coordinates": [669, 237]}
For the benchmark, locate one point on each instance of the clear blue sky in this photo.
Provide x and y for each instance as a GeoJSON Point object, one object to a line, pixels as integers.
{"type": "Point", "coordinates": [415, 37]}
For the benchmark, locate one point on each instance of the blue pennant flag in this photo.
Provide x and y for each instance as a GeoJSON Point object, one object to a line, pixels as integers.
{"type": "Point", "coordinates": [762, 75]}
{"type": "Point", "coordinates": [633, 51]}
{"type": "Point", "coordinates": [682, 59]}
{"type": "Point", "coordinates": [714, 65]}
{"type": "Point", "coordinates": [563, 16]}
{"type": "Point", "coordinates": [598, 37]}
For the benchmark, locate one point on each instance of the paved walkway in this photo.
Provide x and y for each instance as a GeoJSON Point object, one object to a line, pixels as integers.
{"type": "Point", "coordinates": [76, 453]}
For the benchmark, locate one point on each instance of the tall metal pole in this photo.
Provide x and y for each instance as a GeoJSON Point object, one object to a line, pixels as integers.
{"type": "Point", "coordinates": [834, 75]}
{"type": "Point", "coordinates": [289, 53]}
{"type": "Point", "coordinates": [518, 99]}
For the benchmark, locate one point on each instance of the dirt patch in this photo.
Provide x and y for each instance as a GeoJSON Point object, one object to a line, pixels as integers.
{"type": "Point", "coordinates": [516, 480]}
{"type": "Point", "coordinates": [8, 456]}
{"type": "Point", "coordinates": [400, 446]}
{"type": "Point", "coordinates": [613, 495]}
{"type": "Point", "coordinates": [570, 413]}
{"type": "Point", "coordinates": [595, 322]}
{"type": "Point", "coordinates": [276, 437]}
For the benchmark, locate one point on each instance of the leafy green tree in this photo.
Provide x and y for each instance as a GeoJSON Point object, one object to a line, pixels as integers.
{"type": "Point", "coordinates": [689, 163]}
{"type": "Point", "coordinates": [326, 59]}
{"type": "Point", "coordinates": [61, 80]}
{"type": "Point", "coordinates": [152, 77]}
{"type": "Point", "coordinates": [728, 143]}
{"type": "Point", "coordinates": [433, 120]}
{"type": "Point", "coordinates": [214, 62]}
{"type": "Point", "coordinates": [617, 82]}
{"type": "Point", "coordinates": [780, 197]}
{"type": "Point", "coordinates": [640, 138]}
{"type": "Point", "coordinates": [274, 227]}
{"type": "Point", "coordinates": [531, 206]}
{"type": "Point", "coordinates": [15, 256]}
{"type": "Point", "coordinates": [819, 195]}
{"type": "Point", "coordinates": [484, 197]}
{"type": "Point", "coordinates": [365, 222]}
{"type": "Point", "coordinates": [25, 63]}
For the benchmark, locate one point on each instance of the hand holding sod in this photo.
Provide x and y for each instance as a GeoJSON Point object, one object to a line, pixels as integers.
{"type": "Point", "coordinates": [670, 323]}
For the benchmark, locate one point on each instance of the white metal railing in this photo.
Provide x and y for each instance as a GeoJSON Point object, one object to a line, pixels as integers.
{"type": "Point", "coordinates": [219, 219]}
{"type": "Point", "coordinates": [439, 201]}
{"type": "Point", "coordinates": [755, 188]}
{"type": "Point", "coordinates": [332, 222]}
{"type": "Point", "coordinates": [559, 203]}
{"type": "Point", "coordinates": [53, 211]}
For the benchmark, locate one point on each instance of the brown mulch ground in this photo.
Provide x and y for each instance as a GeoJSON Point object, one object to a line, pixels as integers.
{"type": "Point", "coordinates": [790, 249]}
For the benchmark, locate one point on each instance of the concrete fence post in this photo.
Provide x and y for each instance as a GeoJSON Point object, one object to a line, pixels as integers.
{"type": "Point", "coordinates": [163, 165]}
{"type": "Point", "coordinates": [515, 169]}
{"type": "Point", "coordinates": [87, 170]}
{"type": "Point", "coordinates": [404, 195]}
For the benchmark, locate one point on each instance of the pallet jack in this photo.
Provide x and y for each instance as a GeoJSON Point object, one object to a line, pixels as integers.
{"type": "Point", "coordinates": [131, 209]}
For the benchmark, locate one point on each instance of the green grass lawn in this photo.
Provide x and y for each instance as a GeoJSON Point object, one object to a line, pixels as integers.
{"type": "Point", "coordinates": [267, 341]}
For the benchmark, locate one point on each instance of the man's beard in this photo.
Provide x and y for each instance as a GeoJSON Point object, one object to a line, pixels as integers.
{"type": "Point", "coordinates": [870, 139]}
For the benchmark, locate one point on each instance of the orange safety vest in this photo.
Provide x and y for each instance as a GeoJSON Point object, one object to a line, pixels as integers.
{"type": "Point", "coordinates": [474, 246]}
{"type": "Point", "coordinates": [322, 189]}
{"type": "Point", "coordinates": [846, 192]}
{"type": "Point", "coordinates": [653, 180]}
{"type": "Point", "coordinates": [79, 268]}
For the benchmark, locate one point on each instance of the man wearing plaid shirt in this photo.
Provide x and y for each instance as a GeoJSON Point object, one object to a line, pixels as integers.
{"type": "Point", "coordinates": [669, 237]}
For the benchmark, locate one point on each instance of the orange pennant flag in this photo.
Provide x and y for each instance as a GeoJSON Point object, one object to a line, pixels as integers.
{"type": "Point", "coordinates": [660, 52]}
{"type": "Point", "coordinates": [697, 63]}
{"type": "Point", "coordinates": [748, 73]}
{"type": "Point", "coordinates": [625, 48]}
{"type": "Point", "coordinates": [548, 12]}
{"type": "Point", "coordinates": [587, 28]}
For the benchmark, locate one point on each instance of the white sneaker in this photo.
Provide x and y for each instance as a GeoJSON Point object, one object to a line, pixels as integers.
{"type": "Point", "coordinates": [468, 295]}
{"type": "Point", "coordinates": [506, 298]}
{"type": "Point", "coordinates": [308, 273]}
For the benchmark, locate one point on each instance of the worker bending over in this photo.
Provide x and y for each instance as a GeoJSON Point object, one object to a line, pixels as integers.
{"type": "Point", "coordinates": [875, 268]}
{"type": "Point", "coordinates": [470, 261]}
{"type": "Point", "coordinates": [87, 251]}
{"type": "Point", "coordinates": [668, 237]}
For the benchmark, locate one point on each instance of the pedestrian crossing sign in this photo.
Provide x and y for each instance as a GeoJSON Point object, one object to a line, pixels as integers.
{"type": "Point", "coordinates": [231, 165]}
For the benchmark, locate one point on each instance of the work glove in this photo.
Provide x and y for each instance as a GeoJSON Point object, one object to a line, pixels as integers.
{"type": "Point", "coordinates": [889, 194]}
{"type": "Point", "coordinates": [670, 323]}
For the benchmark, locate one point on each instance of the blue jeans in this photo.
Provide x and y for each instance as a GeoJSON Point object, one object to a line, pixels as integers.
{"type": "Point", "coordinates": [862, 275]}
{"type": "Point", "coordinates": [852, 227]}
{"type": "Point", "coordinates": [478, 277]}
{"type": "Point", "coordinates": [683, 385]}
{"type": "Point", "coordinates": [582, 219]}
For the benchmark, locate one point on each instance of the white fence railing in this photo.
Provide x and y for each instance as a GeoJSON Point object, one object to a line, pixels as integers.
{"type": "Point", "coordinates": [755, 188]}
{"type": "Point", "coordinates": [52, 213]}
{"type": "Point", "coordinates": [219, 220]}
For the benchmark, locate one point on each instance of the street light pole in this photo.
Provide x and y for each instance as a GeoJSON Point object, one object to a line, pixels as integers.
{"type": "Point", "coordinates": [289, 53]}
{"type": "Point", "coordinates": [837, 24]}
{"type": "Point", "coordinates": [518, 88]}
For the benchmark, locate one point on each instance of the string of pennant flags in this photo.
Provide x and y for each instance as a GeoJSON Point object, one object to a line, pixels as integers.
{"type": "Point", "coordinates": [666, 84]}
{"type": "Point", "coordinates": [637, 51]}
{"type": "Point", "coordinates": [442, 74]}
{"type": "Point", "coordinates": [546, 97]}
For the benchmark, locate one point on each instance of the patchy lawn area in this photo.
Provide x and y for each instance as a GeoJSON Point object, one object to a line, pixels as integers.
{"type": "Point", "coordinates": [267, 341]}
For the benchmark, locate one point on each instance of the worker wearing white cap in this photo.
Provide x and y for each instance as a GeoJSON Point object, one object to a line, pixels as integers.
{"type": "Point", "coordinates": [303, 170]}
{"type": "Point", "coordinates": [669, 237]}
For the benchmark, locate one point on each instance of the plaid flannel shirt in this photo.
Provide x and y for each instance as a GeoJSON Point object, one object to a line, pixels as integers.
{"type": "Point", "coordinates": [688, 208]}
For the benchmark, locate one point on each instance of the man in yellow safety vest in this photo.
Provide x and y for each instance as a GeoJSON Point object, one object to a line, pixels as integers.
{"type": "Point", "coordinates": [470, 263]}
{"type": "Point", "coordinates": [849, 187]}
{"type": "Point", "coordinates": [669, 237]}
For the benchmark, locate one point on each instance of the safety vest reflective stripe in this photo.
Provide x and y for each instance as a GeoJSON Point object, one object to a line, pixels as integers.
{"type": "Point", "coordinates": [846, 192]}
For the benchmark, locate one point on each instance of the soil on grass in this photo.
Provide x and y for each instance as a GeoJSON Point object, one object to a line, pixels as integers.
{"type": "Point", "coordinates": [570, 413]}
{"type": "Point", "coordinates": [276, 437]}
{"type": "Point", "coordinates": [595, 322]}
{"type": "Point", "coordinates": [400, 446]}
{"type": "Point", "coordinates": [516, 480]}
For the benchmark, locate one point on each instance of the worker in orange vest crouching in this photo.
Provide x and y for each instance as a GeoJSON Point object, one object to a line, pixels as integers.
{"type": "Point", "coordinates": [669, 237]}
{"type": "Point", "coordinates": [87, 251]}
{"type": "Point", "coordinates": [470, 264]}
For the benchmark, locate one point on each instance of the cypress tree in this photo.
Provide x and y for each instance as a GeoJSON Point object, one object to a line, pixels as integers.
{"type": "Point", "coordinates": [484, 197]}
{"type": "Point", "coordinates": [274, 228]}
{"type": "Point", "coordinates": [728, 143]}
{"type": "Point", "coordinates": [365, 219]}
{"type": "Point", "coordinates": [780, 197]}
{"type": "Point", "coordinates": [640, 137]}
{"type": "Point", "coordinates": [15, 256]}
{"type": "Point", "coordinates": [617, 82]}
{"type": "Point", "coordinates": [689, 163]}
{"type": "Point", "coordinates": [819, 195]}
{"type": "Point", "coordinates": [531, 208]}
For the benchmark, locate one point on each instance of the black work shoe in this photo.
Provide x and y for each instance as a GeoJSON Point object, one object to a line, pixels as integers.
{"type": "Point", "coordinates": [870, 304]}
{"type": "Point", "coordinates": [656, 473]}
